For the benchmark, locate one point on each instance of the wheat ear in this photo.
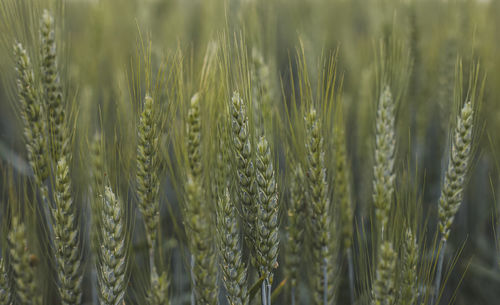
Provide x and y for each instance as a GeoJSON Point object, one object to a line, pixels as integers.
{"type": "Point", "coordinates": [147, 162]}
{"type": "Point", "coordinates": [409, 289]}
{"type": "Point", "coordinates": [234, 271]}
{"type": "Point", "coordinates": [33, 117]}
{"type": "Point", "coordinates": [342, 192]}
{"type": "Point", "coordinates": [204, 268]}
{"type": "Point", "coordinates": [295, 229]}
{"type": "Point", "coordinates": [452, 191]}
{"type": "Point", "coordinates": [26, 291]}
{"type": "Point", "coordinates": [267, 222]}
{"type": "Point", "coordinates": [453, 187]}
{"type": "Point", "coordinates": [52, 87]}
{"type": "Point", "coordinates": [5, 292]}
{"type": "Point", "coordinates": [242, 148]}
{"type": "Point", "coordinates": [199, 215]}
{"type": "Point", "coordinates": [66, 238]}
{"type": "Point", "coordinates": [158, 294]}
{"type": "Point", "coordinates": [113, 253]}
{"type": "Point", "coordinates": [383, 287]}
{"type": "Point", "coordinates": [319, 207]}
{"type": "Point", "coordinates": [385, 146]}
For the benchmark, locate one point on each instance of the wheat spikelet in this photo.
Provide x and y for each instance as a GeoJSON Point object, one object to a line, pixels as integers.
{"type": "Point", "coordinates": [451, 193]}
{"type": "Point", "coordinates": [26, 291]}
{"type": "Point", "coordinates": [319, 207]}
{"type": "Point", "coordinates": [33, 117]}
{"type": "Point", "coordinates": [204, 268]}
{"type": "Point", "coordinates": [5, 293]}
{"type": "Point", "coordinates": [383, 286]}
{"type": "Point", "coordinates": [113, 253]}
{"type": "Point", "coordinates": [66, 238]}
{"type": "Point", "coordinates": [245, 170]}
{"type": "Point", "coordinates": [147, 162]}
{"type": "Point", "coordinates": [52, 88]}
{"type": "Point", "coordinates": [234, 271]}
{"type": "Point", "coordinates": [409, 289]}
{"type": "Point", "coordinates": [383, 181]}
{"type": "Point", "coordinates": [295, 228]}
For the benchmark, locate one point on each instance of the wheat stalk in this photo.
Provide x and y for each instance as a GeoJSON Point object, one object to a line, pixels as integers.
{"type": "Point", "coordinates": [66, 238]}
{"type": "Point", "coordinates": [52, 88]}
{"type": "Point", "coordinates": [234, 271]}
{"type": "Point", "coordinates": [113, 253]}
{"type": "Point", "coordinates": [5, 291]}
{"type": "Point", "coordinates": [383, 292]}
{"type": "Point", "coordinates": [319, 207]}
{"type": "Point", "coordinates": [385, 146]}
{"type": "Point", "coordinates": [25, 287]}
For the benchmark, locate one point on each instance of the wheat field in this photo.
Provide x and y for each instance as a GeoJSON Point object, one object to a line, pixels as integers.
{"type": "Point", "coordinates": [249, 152]}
